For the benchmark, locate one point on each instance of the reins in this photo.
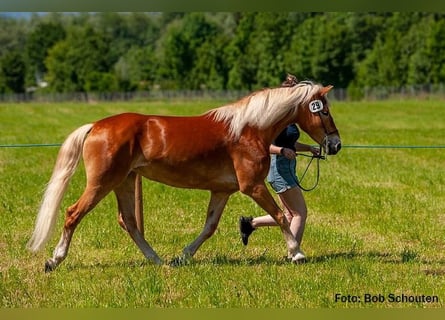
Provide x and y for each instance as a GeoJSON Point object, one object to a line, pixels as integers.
{"type": "Point", "coordinates": [317, 179]}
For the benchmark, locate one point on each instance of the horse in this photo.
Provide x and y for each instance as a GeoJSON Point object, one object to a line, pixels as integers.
{"type": "Point", "coordinates": [223, 150]}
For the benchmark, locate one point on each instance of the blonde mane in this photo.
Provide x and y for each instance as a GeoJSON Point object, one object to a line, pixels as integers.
{"type": "Point", "coordinates": [264, 108]}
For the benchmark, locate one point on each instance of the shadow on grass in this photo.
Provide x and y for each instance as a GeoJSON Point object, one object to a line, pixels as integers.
{"type": "Point", "coordinates": [404, 257]}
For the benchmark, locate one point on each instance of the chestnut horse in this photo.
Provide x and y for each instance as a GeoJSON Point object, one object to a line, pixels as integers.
{"type": "Point", "coordinates": [223, 150]}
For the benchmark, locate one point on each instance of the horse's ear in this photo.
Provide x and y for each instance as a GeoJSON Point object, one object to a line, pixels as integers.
{"type": "Point", "coordinates": [324, 91]}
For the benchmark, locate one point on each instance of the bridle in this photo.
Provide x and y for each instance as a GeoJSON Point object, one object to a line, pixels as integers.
{"type": "Point", "coordinates": [316, 106]}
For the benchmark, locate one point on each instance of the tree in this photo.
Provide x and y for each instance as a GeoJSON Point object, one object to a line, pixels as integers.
{"type": "Point", "coordinates": [100, 82]}
{"type": "Point", "coordinates": [436, 51]}
{"type": "Point", "coordinates": [246, 50]}
{"type": "Point", "coordinates": [270, 40]}
{"type": "Point", "coordinates": [123, 31]}
{"type": "Point", "coordinates": [62, 75]}
{"type": "Point", "coordinates": [12, 35]}
{"type": "Point", "coordinates": [382, 66]}
{"type": "Point", "coordinates": [38, 43]}
{"type": "Point", "coordinates": [399, 54]}
{"type": "Point", "coordinates": [298, 58]}
{"type": "Point", "coordinates": [143, 29]}
{"type": "Point", "coordinates": [136, 70]}
{"type": "Point", "coordinates": [209, 71]}
{"type": "Point", "coordinates": [323, 47]}
{"type": "Point", "coordinates": [172, 59]}
{"type": "Point", "coordinates": [12, 72]}
{"type": "Point", "coordinates": [241, 66]}
{"type": "Point", "coordinates": [70, 61]}
{"type": "Point", "coordinates": [420, 61]}
{"type": "Point", "coordinates": [178, 50]}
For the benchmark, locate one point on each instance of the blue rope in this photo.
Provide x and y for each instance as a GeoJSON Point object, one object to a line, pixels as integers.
{"type": "Point", "coordinates": [31, 145]}
{"type": "Point", "coordinates": [391, 147]}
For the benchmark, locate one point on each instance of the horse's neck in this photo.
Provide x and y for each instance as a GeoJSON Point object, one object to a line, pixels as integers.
{"type": "Point", "coordinates": [281, 125]}
{"type": "Point", "coordinates": [269, 135]}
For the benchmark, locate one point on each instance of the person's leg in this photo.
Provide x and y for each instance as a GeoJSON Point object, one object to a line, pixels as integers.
{"type": "Point", "coordinates": [295, 211]}
{"type": "Point", "coordinates": [268, 221]}
{"type": "Point", "coordinates": [249, 224]}
{"type": "Point", "coordinates": [293, 201]}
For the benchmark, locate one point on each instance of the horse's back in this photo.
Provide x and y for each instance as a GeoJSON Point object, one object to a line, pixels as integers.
{"type": "Point", "coordinates": [180, 139]}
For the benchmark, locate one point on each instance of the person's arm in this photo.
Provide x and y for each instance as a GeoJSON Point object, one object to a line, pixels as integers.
{"type": "Point", "coordinates": [305, 147]}
{"type": "Point", "coordinates": [288, 153]}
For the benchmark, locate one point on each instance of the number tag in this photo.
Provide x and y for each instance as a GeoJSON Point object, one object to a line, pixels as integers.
{"type": "Point", "coordinates": [316, 106]}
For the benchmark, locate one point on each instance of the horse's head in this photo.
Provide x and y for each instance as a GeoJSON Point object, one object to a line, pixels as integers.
{"type": "Point", "coordinates": [316, 120]}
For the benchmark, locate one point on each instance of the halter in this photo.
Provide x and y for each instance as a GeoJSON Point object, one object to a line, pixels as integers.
{"type": "Point", "coordinates": [316, 106]}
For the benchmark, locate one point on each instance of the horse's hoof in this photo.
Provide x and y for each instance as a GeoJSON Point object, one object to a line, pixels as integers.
{"type": "Point", "coordinates": [158, 262]}
{"type": "Point", "coordinates": [179, 261]}
{"type": "Point", "coordinates": [49, 266]}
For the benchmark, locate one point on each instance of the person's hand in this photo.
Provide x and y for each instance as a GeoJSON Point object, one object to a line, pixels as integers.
{"type": "Point", "coordinates": [314, 150]}
{"type": "Point", "coordinates": [288, 153]}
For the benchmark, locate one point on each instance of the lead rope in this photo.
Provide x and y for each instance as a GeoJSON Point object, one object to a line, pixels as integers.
{"type": "Point", "coordinates": [317, 179]}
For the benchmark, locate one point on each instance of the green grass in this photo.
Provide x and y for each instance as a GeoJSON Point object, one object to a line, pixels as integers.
{"type": "Point", "coordinates": [376, 221]}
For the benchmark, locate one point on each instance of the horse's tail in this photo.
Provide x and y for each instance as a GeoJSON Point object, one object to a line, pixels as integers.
{"type": "Point", "coordinates": [66, 164]}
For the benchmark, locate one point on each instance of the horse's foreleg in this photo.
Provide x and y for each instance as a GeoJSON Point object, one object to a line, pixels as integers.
{"type": "Point", "coordinates": [264, 199]}
{"type": "Point", "coordinates": [216, 206]}
{"type": "Point", "coordinates": [125, 194]}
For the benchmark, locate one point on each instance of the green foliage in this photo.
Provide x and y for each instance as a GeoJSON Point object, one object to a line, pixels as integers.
{"type": "Point", "coordinates": [268, 43]}
{"type": "Point", "coordinates": [38, 43]}
{"type": "Point", "coordinates": [409, 50]}
{"type": "Point", "coordinates": [100, 82]}
{"type": "Point", "coordinates": [12, 35]}
{"type": "Point", "coordinates": [136, 69]}
{"type": "Point", "coordinates": [12, 71]}
{"type": "Point", "coordinates": [186, 51]}
{"type": "Point", "coordinates": [299, 57]}
{"type": "Point", "coordinates": [224, 50]}
{"type": "Point", "coordinates": [240, 63]}
{"type": "Point", "coordinates": [71, 61]}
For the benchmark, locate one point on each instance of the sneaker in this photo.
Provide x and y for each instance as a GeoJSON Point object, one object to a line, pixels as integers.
{"type": "Point", "coordinates": [299, 258]}
{"type": "Point", "coordinates": [245, 228]}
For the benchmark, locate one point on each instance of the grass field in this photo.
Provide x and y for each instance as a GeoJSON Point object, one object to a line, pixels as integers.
{"type": "Point", "coordinates": [375, 229]}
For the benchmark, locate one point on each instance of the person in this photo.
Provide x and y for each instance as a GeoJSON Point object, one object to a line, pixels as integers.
{"type": "Point", "coordinates": [283, 180]}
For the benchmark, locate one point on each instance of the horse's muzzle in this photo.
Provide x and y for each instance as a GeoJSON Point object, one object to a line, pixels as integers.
{"type": "Point", "coordinates": [333, 145]}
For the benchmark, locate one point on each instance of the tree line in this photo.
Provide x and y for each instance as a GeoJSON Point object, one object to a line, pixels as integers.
{"type": "Point", "coordinates": [109, 52]}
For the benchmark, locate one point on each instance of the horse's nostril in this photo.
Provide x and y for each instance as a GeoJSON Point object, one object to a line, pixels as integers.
{"type": "Point", "coordinates": [334, 148]}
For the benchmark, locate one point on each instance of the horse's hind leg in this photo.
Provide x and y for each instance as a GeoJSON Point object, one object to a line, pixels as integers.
{"type": "Point", "coordinates": [125, 194]}
{"type": "Point", "coordinates": [74, 214]}
{"type": "Point", "coordinates": [218, 201]}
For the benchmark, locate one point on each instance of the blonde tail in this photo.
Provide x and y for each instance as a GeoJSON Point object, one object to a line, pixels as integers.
{"type": "Point", "coordinates": [66, 164]}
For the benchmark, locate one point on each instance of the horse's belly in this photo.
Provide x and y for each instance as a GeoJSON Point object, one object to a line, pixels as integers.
{"type": "Point", "coordinates": [215, 177]}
